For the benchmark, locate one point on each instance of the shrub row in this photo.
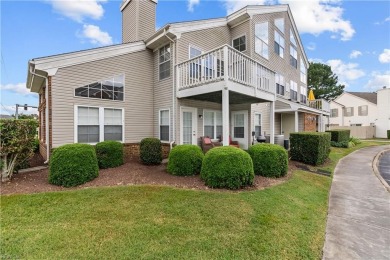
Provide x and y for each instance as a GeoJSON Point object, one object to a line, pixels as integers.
{"type": "Point", "coordinates": [310, 147]}
{"type": "Point", "coordinates": [185, 160]}
{"type": "Point", "coordinates": [269, 160]}
{"type": "Point", "coordinates": [339, 135]}
{"type": "Point", "coordinates": [388, 134]}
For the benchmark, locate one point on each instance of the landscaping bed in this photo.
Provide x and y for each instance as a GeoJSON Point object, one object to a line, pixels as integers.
{"type": "Point", "coordinates": [131, 173]}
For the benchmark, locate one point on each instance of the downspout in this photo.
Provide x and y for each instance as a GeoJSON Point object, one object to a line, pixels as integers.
{"type": "Point", "coordinates": [173, 94]}
{"type": "Point", "coordinates": [46, 113]}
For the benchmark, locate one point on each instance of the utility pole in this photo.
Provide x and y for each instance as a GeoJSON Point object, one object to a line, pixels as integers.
{"type": "Point", "coordinates": [25, 106]}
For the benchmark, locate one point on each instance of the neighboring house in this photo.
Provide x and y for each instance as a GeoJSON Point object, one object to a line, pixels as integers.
{"type": "Point", "coordinates": [3, 116]}
{"type": "Point", "coordinates": [363, 109]}
{"type": "Point", "coordinates": [217, 77]}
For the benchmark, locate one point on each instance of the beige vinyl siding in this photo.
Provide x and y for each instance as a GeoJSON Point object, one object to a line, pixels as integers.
{"type": "Point", "coordinates": [162, 93]}
{"type": "Point", "coordinates": [264, 110]}
{"type": "Point", "coordinates": [137, 104]}
{"type": "Point", "coordinates": [129, 22]}
{"type": "Point", "coordinates": [206, 40]}
{"type": "Point", "coordinates": [147, 16]}
{"type": "Point", "coordinates": [275, 62]}
{"type": "Point", "coordinates": [240, 30]}
{"type": "Point", "coordinates": [301, 122]}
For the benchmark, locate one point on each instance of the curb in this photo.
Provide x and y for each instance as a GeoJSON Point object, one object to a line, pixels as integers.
{"type": "Point", "coordinates": [376, 170]}
{"type": "Point", "coordinates": [33, 169]}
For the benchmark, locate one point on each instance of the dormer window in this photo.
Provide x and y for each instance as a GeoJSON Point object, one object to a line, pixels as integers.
{"type": "Point", "coordinates": [111, 89]}
{"type": "Point", "coordinates": [240, 43]}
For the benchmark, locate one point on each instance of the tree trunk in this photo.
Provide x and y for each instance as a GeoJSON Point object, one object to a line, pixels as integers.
{"type": "Point", "coordinates": [8, 168]}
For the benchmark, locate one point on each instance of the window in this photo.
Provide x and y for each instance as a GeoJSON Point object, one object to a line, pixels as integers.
{"type": "Point", "coordinates": [97, 124]}
{"type": "Point", "coordinates": [279, 23]}
{"type": "Point", "coordinates": [239, 129]}
{"type": "Point", "coordinates": [240, 43]}
{"type": "Point", "coordinates": [111, 89]}
{"type": "Point", "coordinates": [212, 124]}
{"type": "Point", "coordinates": [279, 44]}
{"type": "Point", "coordinates": [303, 94]}
{"type": "Point", "coordinates": [363, 110]}
{"type": "Point", "coordinates": [292, 38]}
{"type": "Point", "coordinates": [356, 124]}
{"type": "Point", "coordinates": [279, 80]}
{"type": "Point", "coordinates": [303, 72]}
{"type": "Point", "coordinates": [164, 125]}
{"type": "Point", "coordinates": [348, 111]}
{"type": "Point", "coordinates": [261, 39]}
{"type": "Point", "coordinates": [257, 123]}
{"type": "Point", "coordinates": [196, 65]}
{"type": "Point", "coordinates": [293, 57]}
{"type": "Point", "coordinates": [165, 62]}
{"type": "Point", "coordinates": [334, 112]}
{"type": "Point", "coordinates": [293, 90]}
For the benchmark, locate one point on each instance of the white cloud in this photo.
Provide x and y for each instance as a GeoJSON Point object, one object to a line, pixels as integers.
{"type": "Point", "coordinates": [387, 19]}
{"type": "Point", "coordinates": [314, 17]}
{"type": "Point", "coordinates": [346, 72]}
{"type": "Point", "coordinates": [78, 10]}
{"type": "Point", "coordinates": [95, 35]}
{"type": "Point", "coordinates": [384, 57]}
{"type": "Point", "coordinates": [10, 110]}
{"type": "Point", "coordinates": [354, 54]}
{"type": "Point", "coordinates": [311, 46]}
{"type": "Point", "coordinates": [19, 88]}
{"type": "Point", "coordinates": [191, 4]}
{"type": "Point", "coordinates": [378, 80]}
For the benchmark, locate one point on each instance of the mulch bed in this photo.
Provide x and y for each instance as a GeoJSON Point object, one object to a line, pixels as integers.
{"type": "Point", "coordinates": [131, 173]}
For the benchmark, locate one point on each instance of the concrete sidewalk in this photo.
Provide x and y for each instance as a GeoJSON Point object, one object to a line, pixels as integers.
{"type": "Point", "coordinates": [358, 225]}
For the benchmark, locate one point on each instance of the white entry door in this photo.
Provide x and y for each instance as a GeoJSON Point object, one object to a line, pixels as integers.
{"type": "Point", "coordinates": [188, 125]}
{"type": "Point", "coordinates": [239, 129]}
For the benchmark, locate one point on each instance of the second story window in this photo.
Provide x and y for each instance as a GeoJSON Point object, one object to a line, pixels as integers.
{"type": "Point", "coordinates": [279, 44]}
{"type": "Point", "coordinates": [293, 90]}
{"type": "Point", "coordinates": [303, 94]}
{"type": "Point", "coordinates": [303, 72]}
{"type": "Point", "coordinates": [164, 62]}
{"type": "Point", "coordinates": [111, 89]}
{"type": "Point", "coordinates": [348, 111]}
{"type": "Point", "coordinates": [363, 110]}
{"type": "Point", "coordinates": [261, 39]}
{"type": "Point", "coordinates": [240, 43]}
{"type": "Point", "coordinates": [279, 23]}
{"type": "Point", "coordinates": [334, 112]}
{"type": "Point", "coordinates": [279, 80]}
{"type": "Point", "coordinates": [292, 38]}
{"type": "Point", "coordinates": [293, 57]}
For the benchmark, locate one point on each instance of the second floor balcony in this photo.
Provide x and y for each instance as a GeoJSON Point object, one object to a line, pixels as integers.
{"type": "Point", "coordinates": [225, 67]}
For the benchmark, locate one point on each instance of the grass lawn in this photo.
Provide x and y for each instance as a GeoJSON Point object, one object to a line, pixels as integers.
{"type": "Point", "coordinates": [150, 222]}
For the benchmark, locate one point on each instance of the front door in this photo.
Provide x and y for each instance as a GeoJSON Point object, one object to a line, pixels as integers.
{"type": "Point", "coordinates": [188, 125]}
{"type": "Point", "coordinates": [239, 130]}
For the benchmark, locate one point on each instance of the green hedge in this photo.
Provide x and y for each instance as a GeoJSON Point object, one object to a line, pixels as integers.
{"type": "Point", "coordinates": [343, 144]}
{"type": "Point", "coordinates": [388, 134]}
{"type": "Point", "coordinates": [339, 135]}
{"type": "Point", "coordinates": [73, 164]}
{"type": "Point", "coordinates": [310, 147]}
{"type": "Point", "coordinates": [185, 160]}
{"type": "Point", "coordinates": [150, 151]}
{"type": "Point", "coordinates": [227, 167]}
{"type": "Point", "coordinates": [269, 160]}
{"type": "Point", "coordinates": [109, 154]}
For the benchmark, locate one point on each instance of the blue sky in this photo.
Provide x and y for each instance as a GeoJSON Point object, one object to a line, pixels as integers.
{"type": "Point", "coordinates": [353, 37]}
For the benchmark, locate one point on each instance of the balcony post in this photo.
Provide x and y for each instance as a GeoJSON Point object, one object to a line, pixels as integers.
{"type": "Point", "coordinates": [296, 122]}
{"type": "Point", "coordinates": [177, 78]}
{"type": "Point", "coordinates": [272, 123]}
{"type": "Point", "coordinates": [225, 64]}
{"type": "Point", "coordinates": [225, 115]}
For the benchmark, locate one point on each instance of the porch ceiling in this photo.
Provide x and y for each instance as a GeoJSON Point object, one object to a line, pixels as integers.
{"type": "Point", "coordinates": [234, 98]}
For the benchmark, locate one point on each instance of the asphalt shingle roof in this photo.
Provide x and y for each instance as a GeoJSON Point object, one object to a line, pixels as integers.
{"type": "Point", "coordinates": [369, 96]}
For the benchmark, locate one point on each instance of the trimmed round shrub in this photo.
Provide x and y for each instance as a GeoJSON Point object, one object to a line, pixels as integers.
{"type": "Point", "coordinates": [227, 167]}
{"type": "Point", "coordinates": [150, 151]}
{"type": "Point", "coordinates": [109, 154]}
{"type": "Point", "coordinates": [73, 164]}
{"type": "Point", "coordinates": [269, 160]}
{"type": "Point", "coordinates": [185, 160]}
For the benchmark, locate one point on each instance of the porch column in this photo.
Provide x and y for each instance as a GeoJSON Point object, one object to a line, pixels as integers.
{"type": "Point", "coordinates": [296, 122]}
{"type": "Point", "coordinates": [225, 116]}
{"type": "Point", "coordinates": [272, 123]}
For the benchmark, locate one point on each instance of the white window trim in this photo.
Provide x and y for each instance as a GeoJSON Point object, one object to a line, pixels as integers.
{"type": "Point", "coordinates": [159, 122]}
{"type": "Point", "coordinates": [101, 122]}
{"type": "Point", "coordinates": [215, 120]}
{"type": "Point", "coordinates": [246, 42]}
{"type": "Point", "coordinates": [158, 62]}
{"type": "Point", "coordinates": [254, 120]}
{"type": "Point", "coordinates": [124, 90]}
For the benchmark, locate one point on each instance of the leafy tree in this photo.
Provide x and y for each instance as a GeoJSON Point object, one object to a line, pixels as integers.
{"type": "Point", "coordinates": [323, 81]}
{"type": "Point", "coordinates": [16, 143]}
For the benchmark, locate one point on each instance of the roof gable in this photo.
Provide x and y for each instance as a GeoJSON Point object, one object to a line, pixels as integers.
{"type": "Point", "coordinates": [369, 96]}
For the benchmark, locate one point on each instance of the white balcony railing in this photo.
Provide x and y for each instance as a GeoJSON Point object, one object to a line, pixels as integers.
{"type": "Point", "coordinates": [224, 63]}
{"type": "Point", "coordinates": [320, 104]}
